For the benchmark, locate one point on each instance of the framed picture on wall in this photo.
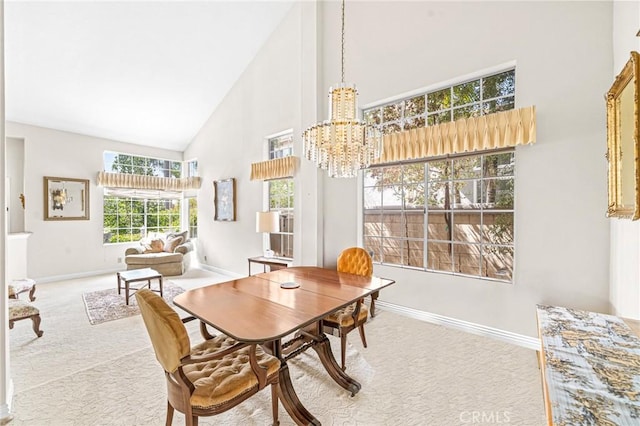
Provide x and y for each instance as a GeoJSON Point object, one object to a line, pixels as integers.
{"type": "Point", "coordinates": [224, 199]}
{"type": "Point", "coordinates": [66, 198]}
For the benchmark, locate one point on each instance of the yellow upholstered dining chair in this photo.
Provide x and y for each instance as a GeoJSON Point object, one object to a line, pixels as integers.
{"type": "Point", "coordinates": [210, 377]}
{"type": "Point", "coordinates": [354, 260]}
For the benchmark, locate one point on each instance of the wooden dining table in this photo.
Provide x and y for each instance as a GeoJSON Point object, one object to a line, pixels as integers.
{"type": "Point", "coordinates": [286, 321]}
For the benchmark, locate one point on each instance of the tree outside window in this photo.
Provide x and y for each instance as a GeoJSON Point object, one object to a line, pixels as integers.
{"type": "Point", "coordinates": [281, 195]}
{"type": "Point", "coordinates": [452, 214]}
{"type": "Point", "coordinates": [130, 215]}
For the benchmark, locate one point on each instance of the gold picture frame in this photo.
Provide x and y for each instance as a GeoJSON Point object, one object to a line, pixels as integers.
{"type": "Point", "coordinates": [66, 198]}
{"type": "Point", "coordinates": [623, 139]}
{"type": "Point", "coordinates": [224, 200]}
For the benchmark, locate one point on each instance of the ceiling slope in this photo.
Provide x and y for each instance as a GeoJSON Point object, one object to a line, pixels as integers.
{"type": "Point", "coordinates": [147, 72]}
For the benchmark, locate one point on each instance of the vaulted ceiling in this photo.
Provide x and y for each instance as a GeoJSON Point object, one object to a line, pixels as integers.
{"type": "Point", "coordinates": [144, 72]}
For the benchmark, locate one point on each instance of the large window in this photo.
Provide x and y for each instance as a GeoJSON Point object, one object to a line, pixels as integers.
{"type": "Point", "coordinates": [451, 214]}
{"type": "Point", "coordinates": [132, 214]}
{"type": "Point", "coordinates": [137, 165]}
{"type": "Point", "coordinates": [468, 99]}
{"type": "Point", "coordinates": [281, 198]}
{"type": "Point", "coordinates": [193, 216]}
{"type": "Point", "coordinates": [128, 219]}
{"type": "Point", "coordinates": [191, 170]}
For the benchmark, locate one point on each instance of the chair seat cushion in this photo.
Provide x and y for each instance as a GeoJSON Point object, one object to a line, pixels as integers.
{"type": "Point", "coordinates": [222, 380]}
{"type": "Point", "coordinates": [153, 258]}
{"type": "Point", "coordinates": [344, 317]}
{"type": "Point", "coordinates": [19, 309]}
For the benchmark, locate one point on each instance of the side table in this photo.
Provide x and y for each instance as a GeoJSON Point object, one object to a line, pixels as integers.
{"type": "Point", "coordinates": [274, 263]}
{"type": "Point", "coordinates": [137, 275]}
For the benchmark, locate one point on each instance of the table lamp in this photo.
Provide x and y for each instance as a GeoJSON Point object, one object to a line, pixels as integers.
{"type": "Point", "coordinates": [268, 222]}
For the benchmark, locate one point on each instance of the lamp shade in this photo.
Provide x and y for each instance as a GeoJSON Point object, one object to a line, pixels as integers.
{"type": "Point", "coordinates": [267, 222]}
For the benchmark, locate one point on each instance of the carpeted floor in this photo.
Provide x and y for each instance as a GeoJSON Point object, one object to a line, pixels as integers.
{"type": "Point", "coordinates": [412, 373]}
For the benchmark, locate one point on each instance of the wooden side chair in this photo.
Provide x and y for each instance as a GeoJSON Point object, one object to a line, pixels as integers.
{"type": "Point", "coordinates": [21, 310]}
{"type": "Point", "coordinates": [354, 260]}
{"type": "Point", "coordinates": [211, 377]}
{"type": "Point", "coordinates": [22, 286]}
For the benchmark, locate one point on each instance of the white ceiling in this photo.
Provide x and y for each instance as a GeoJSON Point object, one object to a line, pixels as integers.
{"type": "Point", "coordinates": [144, 72]}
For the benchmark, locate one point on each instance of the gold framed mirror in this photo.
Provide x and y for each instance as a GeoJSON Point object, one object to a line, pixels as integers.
{"type": "Point", "coordinates": [623, 138]}
{"type": "Point", "coordinates": [66, 198]}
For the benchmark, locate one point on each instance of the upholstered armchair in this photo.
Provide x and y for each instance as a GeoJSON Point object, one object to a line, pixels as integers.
{"type": "Point", "coordinates": [169, 255]}
{"type": "Point", "coordinates": [211, 377]}
{"type": "Point", "coordinates": [354, 260]}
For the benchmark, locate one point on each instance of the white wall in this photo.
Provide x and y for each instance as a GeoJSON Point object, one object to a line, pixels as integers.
{"type": "Point", "coordinates": [70, 247]}
{"type": "Point", "coordinates": [268, 98]}
{"type": "Point", "coordinates": [15, 183]}
{"type": "Point", "coordinates": [563, 67]}
{"type": "Point", "coordinates": [625, 234]}
{"type": "Point", "coordinates": [6, 384]}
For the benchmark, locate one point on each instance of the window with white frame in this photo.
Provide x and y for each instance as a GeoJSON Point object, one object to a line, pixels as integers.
{"type": "Point", "coordinates": [191, 200]}
{"type": "Point", "coordinates": [281, 198]}
{"type": "Point", "coordinates": [192, 211]}
{"type": "Point", "coordinates": [131, 214]}
{"type": "Point", "coordinates": [452, 214]}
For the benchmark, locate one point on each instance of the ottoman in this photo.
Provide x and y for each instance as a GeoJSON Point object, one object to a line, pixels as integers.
{"type": "Point", "coordinates": [165, 263]}
{"type": "Point", "coordinates": [20, 309]}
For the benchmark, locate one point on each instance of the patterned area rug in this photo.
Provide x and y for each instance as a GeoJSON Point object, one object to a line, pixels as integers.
{"type": "Point", "coordinates": [108, 305]}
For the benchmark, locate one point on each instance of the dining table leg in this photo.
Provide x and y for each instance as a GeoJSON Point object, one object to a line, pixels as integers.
{"type": "Point", "coordinates": [323, 349]}
{"type": "Point", "coordinates": [287, 394]}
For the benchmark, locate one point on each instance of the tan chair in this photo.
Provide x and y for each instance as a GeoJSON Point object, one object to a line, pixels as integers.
{"type": "Point", "coordinates": [211, 377]}
{"type": "Point", "coordinates": [354, 260]}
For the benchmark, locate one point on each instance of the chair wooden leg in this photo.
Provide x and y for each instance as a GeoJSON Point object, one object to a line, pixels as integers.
{"type": "Point", "coordinates": [274, 403]}
{"type": "Point", "coordinates": [194, 421]}
{"type": "Point", "coordinates": [36, 325]}
{"type": "Point", "coordinates": [32, 293]}
{"type": "Point", "coordinates": [362, 337]}
{"type": "Point", "coordinates": [343, 349]}
{"type": "Point", "coordinates": [169, 414]}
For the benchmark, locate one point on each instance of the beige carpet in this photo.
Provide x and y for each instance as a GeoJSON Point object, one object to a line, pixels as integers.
{"type": "Point", "coordinates": [108, 305]}
{"type": "Point", "coordinates": [413, 373]}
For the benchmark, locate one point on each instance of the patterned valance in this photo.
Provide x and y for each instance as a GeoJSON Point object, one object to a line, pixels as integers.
{"type": "Point", "coordinates": [274, 169]}
{"type": "Point", "coordinates": [492, 131]}
{"type": "Point", "coordinates": [121, 180]}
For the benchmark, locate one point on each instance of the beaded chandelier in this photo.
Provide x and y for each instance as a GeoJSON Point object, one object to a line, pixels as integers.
{"type": "Point", "coordinates": [343, 144]}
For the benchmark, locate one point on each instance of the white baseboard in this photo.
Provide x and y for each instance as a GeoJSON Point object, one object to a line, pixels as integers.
{"type": "Point", "coordinates": [481, 330]}
{"type": "Point", "coordinates": [220, 271]}
{"type": "Point", "coordinates": [122, 268]}
{"type": "Point", "coordinates": [78, 275]}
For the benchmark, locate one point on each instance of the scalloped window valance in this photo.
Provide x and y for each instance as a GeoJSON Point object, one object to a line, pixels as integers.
{"type": "Point", "coordinates": [274, 169]}
{"type": "Point", "coordinates": [121, 180]}
{"type": "Point", "coordinates": [492, 131]}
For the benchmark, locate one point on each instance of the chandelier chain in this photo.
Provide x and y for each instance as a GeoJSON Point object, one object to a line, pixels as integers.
{"type": "Point", "coordinates": [342, 42]}
{"type": "Point", "coordinates": [342, 145]}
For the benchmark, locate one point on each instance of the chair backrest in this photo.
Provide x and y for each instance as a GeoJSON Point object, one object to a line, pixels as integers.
{"type": "Point", "coordinates": [167, 332]}
{"type": "Point", "coordinates": [355, 260]}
